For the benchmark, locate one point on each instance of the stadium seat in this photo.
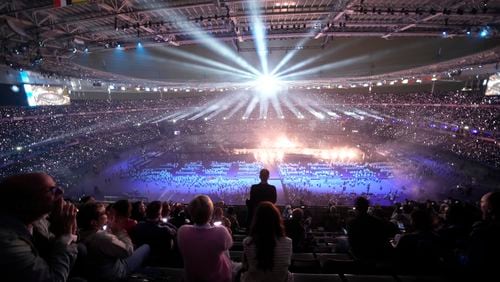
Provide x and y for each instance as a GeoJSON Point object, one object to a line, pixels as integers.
{"type": "Point", "coordinates": [339, 266]}
{"type": "Point", "coordinates": [405, 278]}
{"type": "Point", "coordinates": [305, 263]}
{"type": "Point", "coordinates": [158, 274]}
{"type": "Point", "coordinates": [369, 278]}
{"type": "Point", "coordinates": [333, 256]}
{"type": "Point", "coordinates": [239, 237]}
{"type": "Point", "coordinates": [309, 277]}
{"type": "Point", "coordinates": [237, 246]}
{"type": "Point", "coordinates": [236, 256]}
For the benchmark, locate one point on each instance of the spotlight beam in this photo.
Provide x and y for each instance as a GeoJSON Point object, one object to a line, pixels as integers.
{"type": "Point", "coordinates": [179, 114]}
{"type": "Point", "coordinates": [238, 107]}
{"type": "Point", "coordinates": [306, 104]}
{"type": "Point", "coordinates": [216, 112]}
{"type": "Point", "coordinates": [250, 107]}
{"type": "Point", "coordinates": [203, 60]}
{"type": "Point", "coordinates": [277, 106]}
{"type": "Point", "coordinates": [207, 69]}
{"type": "Point", "coordinates": [313, 59]}
{"type": "Point", "coordinates": [208, 110]}
{"type": "Point", "coordinates": [331, 113]}
{"type": "Point", "coordinates": [264, 106]}
{"type": "Point", "coordinates": [290, 55]}
{"type": "Point", "coordinates": [259, 34]}
{"type": "Point", "coordinates": [210, 42]}
{"type": "Point", "coordinates": [302, 42]}
{"type": "Point", "coordinates": [314, 112]}
{"type": "Point", "coordinates": [224, 105]}
{"type": "Point", "coordinates": [361, 112]}
{"type": "Point", "coordinates": [185, 115]}
{"type": "Point", "coordinates": [217, 106]}
{"type": "Point", "coordinates": [300, 65]}
{"type": "Point", "coordinates": [290, 106]}
{"type": "Point", "coordinates": [330, 66]}
{"type": "Point", "coordinates": [162, 117]}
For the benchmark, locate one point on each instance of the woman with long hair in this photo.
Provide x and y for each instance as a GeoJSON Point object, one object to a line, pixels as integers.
{"type": "Point", "coordinates": [267, 251]}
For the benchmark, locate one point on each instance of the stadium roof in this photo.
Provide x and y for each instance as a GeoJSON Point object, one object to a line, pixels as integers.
{"type": "Point", "coordinates": [39, 34]}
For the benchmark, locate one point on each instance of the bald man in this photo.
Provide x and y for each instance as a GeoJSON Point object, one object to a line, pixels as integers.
{"type": "Point", "coordinates": [260, 193]}
{"type": "Point", "coordinates": [25, 199]}
{"type": "Point", "coordinates": [484, 244]}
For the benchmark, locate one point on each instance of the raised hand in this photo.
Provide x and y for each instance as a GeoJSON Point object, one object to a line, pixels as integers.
{"type": "Point", "coordinates": [63, 219]}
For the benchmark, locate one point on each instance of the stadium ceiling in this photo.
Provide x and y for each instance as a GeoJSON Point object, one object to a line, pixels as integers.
{"type": "Point", "coordinates": [35, 31]}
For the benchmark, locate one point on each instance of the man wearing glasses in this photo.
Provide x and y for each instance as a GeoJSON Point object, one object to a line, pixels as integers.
{"type": "Point", "coordinates": [25, 199]}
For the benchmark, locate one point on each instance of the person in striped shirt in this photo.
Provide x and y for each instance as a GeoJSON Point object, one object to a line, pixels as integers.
{"type": "Point", "coordinates": [267, 252]}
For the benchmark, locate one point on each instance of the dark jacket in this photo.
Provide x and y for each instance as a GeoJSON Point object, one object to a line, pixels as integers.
{"type": "Point", "coordinates": [368, 238]}
{"type": "Point", "coordinates": [21, 261]}
{"type": "Point", "coordinates": [259, 193]}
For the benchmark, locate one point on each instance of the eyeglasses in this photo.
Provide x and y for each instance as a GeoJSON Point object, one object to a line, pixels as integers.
{"type": "Point", "coordinates": [56, 191]}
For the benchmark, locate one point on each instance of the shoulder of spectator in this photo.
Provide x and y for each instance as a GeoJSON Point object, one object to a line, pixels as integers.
{"type": "Point", "coordinates": [247, 241]}
{"type": "Point", "coordinates": [66, 239]}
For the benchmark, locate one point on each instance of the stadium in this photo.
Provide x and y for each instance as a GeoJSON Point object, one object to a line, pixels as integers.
{"type": "Point", "coordinates": [392, 106]}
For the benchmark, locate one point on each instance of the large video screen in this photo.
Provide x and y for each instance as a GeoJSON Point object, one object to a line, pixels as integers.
{"type": "Point", "coordinates": [493, 87]}
{"type": "Point", "coordinates": [38, 95]}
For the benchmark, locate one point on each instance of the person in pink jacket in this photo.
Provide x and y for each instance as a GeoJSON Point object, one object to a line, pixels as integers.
{"type": "Point", "coordinates": [204, 248]}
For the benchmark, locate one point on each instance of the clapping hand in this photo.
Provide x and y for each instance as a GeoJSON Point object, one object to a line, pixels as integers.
{"type": "Point", "coordinates": [63, 218]}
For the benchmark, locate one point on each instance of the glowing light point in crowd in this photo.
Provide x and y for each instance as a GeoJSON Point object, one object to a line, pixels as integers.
{"type": "Point", "coordinates": [267, 85]}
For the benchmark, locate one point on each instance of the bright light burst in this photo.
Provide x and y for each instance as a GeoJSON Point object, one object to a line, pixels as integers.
{"type": "Point", "coordinates": [265, 88]}
{"type": "Point", "coordinates": [268, 85]}
{"type": "Point", "coordinates": [274, 151]}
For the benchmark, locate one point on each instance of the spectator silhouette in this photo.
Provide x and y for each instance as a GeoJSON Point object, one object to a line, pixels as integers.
{"type": "Point", "coordinates": [422, 249]}
{"type": "Point", "coordinates": [484, 246]}
{"type": "Point", "coordinates": [231, 215]}
{"type": "Point", "coordinates": [25, 199]}
{"type": "Point", "coordinates": [368, 236]}
{"type": "Point", "coordinates": [155, 233]}
{"type": "Point", "coordinates": [219, 218]}
{"type": "Point", "coordinates": [178, 216]}
{"type": "Point", "coordinates": [259, 193]}
{"type": "Point", "coordinates": [296, 231]}
{"type": "Point", "coordinates": [138, 211]}
{"type": "Point", "coordinates": [110, 252]}
{"type": "Point", "coordinates": [267, 251]}
{"type": "Point", "coordinates": [332, 220]}
{"type": "Point", "coordinates": [122, 212]}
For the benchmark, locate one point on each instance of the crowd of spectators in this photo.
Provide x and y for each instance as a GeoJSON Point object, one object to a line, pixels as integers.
{"type": "Point", "coordinates": [46, 238]}
{"type": "Point", "coordinates": [70, 141]}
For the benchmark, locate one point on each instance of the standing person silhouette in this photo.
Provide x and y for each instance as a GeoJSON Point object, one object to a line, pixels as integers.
{"type": "Point", "coordinates": [260, 193]}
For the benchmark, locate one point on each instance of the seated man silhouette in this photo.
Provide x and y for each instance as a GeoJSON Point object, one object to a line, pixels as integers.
{"type": "Point", "coordinates": [484, 243]}
{"type": "Point", "coordinates": [25, 199]}
{"type": "Point", "coordinates": [262, 192]}
{"type": "Point", "coordinates": [368, 236]}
